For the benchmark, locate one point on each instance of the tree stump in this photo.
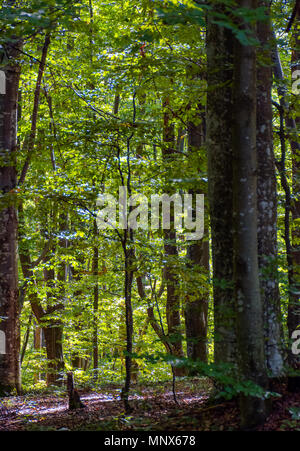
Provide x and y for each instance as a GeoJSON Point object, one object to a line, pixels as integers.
{"type": "Point", "coordinates": [74, 398]}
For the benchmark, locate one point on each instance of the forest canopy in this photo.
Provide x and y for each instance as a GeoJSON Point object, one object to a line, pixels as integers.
{"type": "Point", "coordinates": [149, 199]}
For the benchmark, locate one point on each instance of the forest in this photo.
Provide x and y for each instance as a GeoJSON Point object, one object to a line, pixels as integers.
{"type": "Point", "coordinates": [149, 216]}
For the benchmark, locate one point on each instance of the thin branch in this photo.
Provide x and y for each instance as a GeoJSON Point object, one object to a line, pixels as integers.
{"type": "Point", "coordinates": [29, 143]}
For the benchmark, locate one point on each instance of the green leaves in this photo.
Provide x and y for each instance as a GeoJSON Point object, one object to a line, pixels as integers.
{"type": "Point", "coordinates": [36, 16]}
{"type": "Point", "coordinates": [180, 13]}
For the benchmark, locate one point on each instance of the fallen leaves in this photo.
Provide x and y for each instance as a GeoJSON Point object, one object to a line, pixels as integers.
{"type": "Point", "coordinates": [153, 410]}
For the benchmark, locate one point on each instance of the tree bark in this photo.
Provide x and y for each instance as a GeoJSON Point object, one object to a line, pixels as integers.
{"type": "Point", "coordinates": [246, 275]}
{"type": "Point", "coordinates": [219, 148]}
{"type": "Point", "coordinates": [291, 202]}
{"type": "Point", "coordinates": [29, 142]}
{"type": "Point", "coordinates": [170, 247]}
{"type": "Point", "coordinates": [9, 298]}
{"type": "Point", "coordinates": [54, 350]}
{"type": "Point", "coordinates": [196, 307]}
{"type": "Point", "coordinates": [294, 307]}
{"type": "Point", "coordinates": [53, 331]}
{"type": "Point", "coordinates": [267, 204]}
{"type": "Point", "coordinates": [74, 398]}
{"type": "Point", "coordinates": [95, 304]}
{"type": "Point", "coordinates": [38, 344]}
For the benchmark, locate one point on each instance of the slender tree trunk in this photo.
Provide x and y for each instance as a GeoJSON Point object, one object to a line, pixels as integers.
{"type": "Point", "coordinates": [267, 205]}
{"type": "Point", "coordinates": [29, 142]}
{"type": "Point", "coordinates": [95, 250]}
{"type": "Point", "coordinates": [196, 310]}
{"type": "Point", "coordinates": [196, 307]}
{"type": "Point", "coordinates": [77, 361]}
{"type": "Point", "coordinates": [219, 147]}
{"type": "Point", "coordinates": [53, 327]}
{"type": "Point", "coordinates": [170, 248]}
{"type": "Point", "coordinates": [246, 275]}
{"type": "Point", "coordinates": [37, 344]}
{"type": "Point", "coordinates": [95, 303]}
{"type": "Point", "coordinates": [292, 253]}
{"type": "Point", "coordinates": [9, 298]}
{"type": "Point", "coordinates": [53, 335]}
{"type": "Point", "coordinates": [129, 261]}
{"type": "Point", "coordinates": [294, 305]}
{"type": "Point", "coordinates": [26, 339]}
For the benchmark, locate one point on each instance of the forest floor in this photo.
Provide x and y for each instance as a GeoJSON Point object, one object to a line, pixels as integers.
{"type": "Point", "coordinates": [154, 409]}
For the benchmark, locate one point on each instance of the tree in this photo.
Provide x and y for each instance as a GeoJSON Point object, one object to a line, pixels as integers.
{"type": "Point", "coordinates": [267, 202]}
{"type": "Point", "coordinates": [197, 295]}
{"type": "Point", "coordinates": [9, 303]}
{"type": "Point", "coordinates": [249, 310]}
{"type": "Point", "coordinates": [219, 148]}
{"type": "Point", "coordinates": [170, 246]}
{"type": "Point", "coordinates": [287, 122]}
{"type": "Point", "coordinates": [294, 309]}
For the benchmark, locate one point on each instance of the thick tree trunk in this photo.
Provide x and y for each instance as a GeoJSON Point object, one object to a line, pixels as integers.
{"type": "Point", "coordinates": [54, 350]}
{"type": "Point", "coordinates": [9, 299]}
{"type": "Point", "coordinates": [53, 336]}
{"type": "Point", "coordinates": [52, 329]}
{"type": "Point", "coordinates": [74, 398]}
{"type": "Point", "coordinates": [267, 205]}
{"type": "Point", "coordinates": [246, 275]}
{"type": "Point", "coordinates": [54, 332]}
{"type": "Point", "coordinates": [219, 146]}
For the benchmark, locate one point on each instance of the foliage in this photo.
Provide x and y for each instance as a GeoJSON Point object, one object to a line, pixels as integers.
{"type": "Point", "coordinates": [134, 55]}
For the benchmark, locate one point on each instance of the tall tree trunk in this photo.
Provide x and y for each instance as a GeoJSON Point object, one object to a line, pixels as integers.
{"type": "Point", "coordinates": [196, 310]}
{"type": "Point", "coordinates": [292, 253]}
{"type": "Point", "coordinates": [29, 142]}
{"type": "Point", "coordinates": [95, 303]}
{"type": "Point", "coordinates": [9, 299]}
{"type": "Point", "coordinates": [26, 339]}
{"type": "Point", "coordinates": [267, 204]}
{"type": "Point", "coordinates": [37, 344]}
{"type": "Point", "coordinates": [219, 147]}
{"type": "Point", "coordinates": [246, 274]}
{"type": "Point", "coordinates": [294, 307]}
{"type": "Point", "coordinates": [129, 262]}
{"type": "Point", "coordinates": [77, 361]}
{"type": "Point", "coordinates": [51, 326]}
{"type": "Point", "coordinates": [196, 307]}
{"type": "Point", "coordinates": [170, 246]}
{"type": "Point", "coordinates": [55, 359]}
{"type": "Point", "coordinates": [53, 331]}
